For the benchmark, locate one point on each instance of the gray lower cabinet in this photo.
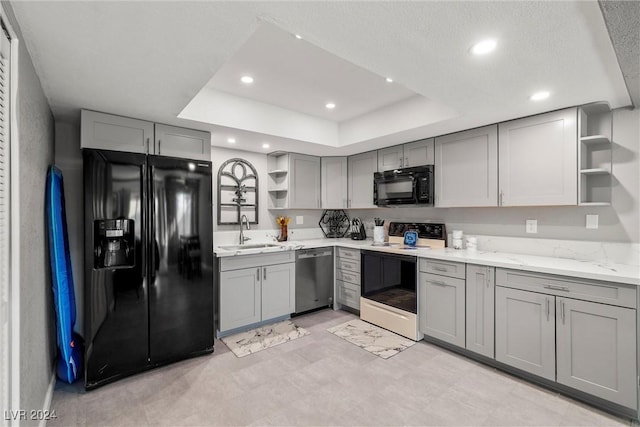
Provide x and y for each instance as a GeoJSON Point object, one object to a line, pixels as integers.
{"type": "Point", "coordinates": [525, 331]}
{"type": "Point", "coordinates": [254, 294]}
{"type": "Point", "coordinates": [480, 292]}
{"type": "Point", "coordinates": [442, 308]}
{"type": "Point", "coordinates": [278, 291]}
{"type": "Point", "coordinates": [348, 278]}
{"type": "Point", "coordinates": [240, 298]}
{"type": "Point", "coordinates": [596, 349]}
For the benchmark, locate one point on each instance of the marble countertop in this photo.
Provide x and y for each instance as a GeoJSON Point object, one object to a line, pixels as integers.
{"type": "Point", "coordinates": [594, 270]}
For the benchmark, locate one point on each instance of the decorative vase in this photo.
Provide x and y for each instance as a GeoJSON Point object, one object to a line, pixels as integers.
{"type": "Point", "coordinates": [283, 233]}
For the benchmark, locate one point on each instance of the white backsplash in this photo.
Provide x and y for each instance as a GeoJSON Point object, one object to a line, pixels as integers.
{"type": "Point", "coordinates": [621, 253]}
{"type": "Point", "coordinates": [260, 236]}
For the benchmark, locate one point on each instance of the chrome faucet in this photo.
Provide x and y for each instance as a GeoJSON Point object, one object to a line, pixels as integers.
{"type": "Point", "coordinates": [245, 220]}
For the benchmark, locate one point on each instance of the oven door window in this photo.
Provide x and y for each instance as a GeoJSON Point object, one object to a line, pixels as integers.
{"type": "Point", "coordinates": [399, 188]}
{"type": "Point", "coordinates": [390, 280]}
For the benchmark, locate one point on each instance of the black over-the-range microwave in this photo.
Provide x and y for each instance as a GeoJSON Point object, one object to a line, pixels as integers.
{"type": "Point", "coordinates": [408, 186]}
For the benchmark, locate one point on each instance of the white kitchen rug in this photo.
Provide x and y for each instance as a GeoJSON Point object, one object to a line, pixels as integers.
{"type": "Point", "coordinates": [372, 338]}
{"type": "Point", "coordinates": [258, 339]}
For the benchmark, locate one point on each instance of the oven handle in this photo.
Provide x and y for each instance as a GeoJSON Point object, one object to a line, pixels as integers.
{"type": "Point", "coordinates": [406, 258]}
{"type": "Point", "coordinates": [375, 307]}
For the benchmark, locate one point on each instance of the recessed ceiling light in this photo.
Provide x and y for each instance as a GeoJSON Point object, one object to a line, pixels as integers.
{"type": "Point", "coordinates": [389, 80]}
{"type": "Point", "coordinates": [265, 145]}
{"type": "Point", "coordinates": [246, 80]}
{"type": "Point", "coordinates": [330, 105]}
{"type": "Point", "coordinates": [298, 36]}
{"type": "Point", "coordinates": [539, 96]}
{"type": "Point", "coordinates": [231, 140]}
{"type": "Point", "coordinates": [483, 47]}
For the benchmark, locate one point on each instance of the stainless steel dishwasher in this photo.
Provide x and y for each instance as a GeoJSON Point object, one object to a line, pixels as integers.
{"type": "Point", "coordinates": [314, 279]}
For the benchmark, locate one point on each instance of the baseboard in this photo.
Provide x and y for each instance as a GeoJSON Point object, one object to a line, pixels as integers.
{"type": "Point", "coordinates": [46, 407]}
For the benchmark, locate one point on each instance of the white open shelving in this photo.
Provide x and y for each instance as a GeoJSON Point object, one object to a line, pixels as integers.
{"type": "Point", "coordinates": [278, 180]}
{"type": "Point", "coordinates": [595, 154]}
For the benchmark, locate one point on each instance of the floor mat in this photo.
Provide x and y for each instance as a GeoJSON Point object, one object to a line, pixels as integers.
{"type": "Point", "coordinates": [258, 339]}
{"type": "Point", "coordinates": [372, 338]}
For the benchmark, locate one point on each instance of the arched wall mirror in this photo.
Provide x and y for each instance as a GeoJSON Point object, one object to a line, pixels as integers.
{"type": "Point", "coordinates": [237, 192]}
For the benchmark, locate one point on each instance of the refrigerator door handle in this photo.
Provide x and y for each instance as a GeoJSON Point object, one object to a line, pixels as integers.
{"type": "Point", "coordinates": [145, 200]}
{"type": "Point", "coordinates": [151, 232]}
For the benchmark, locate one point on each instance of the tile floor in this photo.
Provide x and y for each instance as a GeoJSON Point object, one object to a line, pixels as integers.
{"type": "Point", "coordinates": [320, 380]}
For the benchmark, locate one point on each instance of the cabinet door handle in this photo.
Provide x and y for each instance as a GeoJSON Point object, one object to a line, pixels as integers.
{"type": "Point", "coordinates": [562, 310]}
{"type": "Point", "coordinates": [548, 309]}
{"type": "Point", "coordinates": [264, 273]}
{"type": "Point", "coordinates": [406, 162]}
{"type": "Point", "coordinates": [437, 282]}
{"type": "Point", "coordinates": [258, 274]}
{"type": "Point", "coordinates": [401, 161]}
{"type": "Point", "coordinates": [147, 145]}
{"type": "Point", "coordinates": [159, 150]}
{"type": "Point", "coordinates": [558, 288]}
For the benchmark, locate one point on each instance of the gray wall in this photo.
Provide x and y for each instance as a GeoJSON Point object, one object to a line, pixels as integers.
{"type": "Point", "coordinates": [37, 324]}
{"type": "Point", "coordinates": [68, 158]}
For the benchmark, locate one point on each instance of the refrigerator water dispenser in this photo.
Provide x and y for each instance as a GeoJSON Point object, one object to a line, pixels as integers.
{"type": "Point", "coordinates": [114, 243]}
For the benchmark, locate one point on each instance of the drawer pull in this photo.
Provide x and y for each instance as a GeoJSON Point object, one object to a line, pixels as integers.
{"type": "Point", "coordinates": [436, 268]}
{"type": "Point", "coordinates": [437, 282]}
{"type": "Point", "coordinates": [558, 288]}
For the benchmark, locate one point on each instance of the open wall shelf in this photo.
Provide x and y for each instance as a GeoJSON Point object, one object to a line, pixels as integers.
{"type": "Point", "coordinates": [595, 154]}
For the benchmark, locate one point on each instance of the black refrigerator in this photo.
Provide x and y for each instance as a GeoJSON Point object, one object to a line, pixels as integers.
{"type": "Point", "coordinates": [148, 262]}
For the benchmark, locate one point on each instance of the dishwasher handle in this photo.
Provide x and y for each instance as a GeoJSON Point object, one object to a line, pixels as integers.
{"type": "Point", "coordinates": [313, 254]}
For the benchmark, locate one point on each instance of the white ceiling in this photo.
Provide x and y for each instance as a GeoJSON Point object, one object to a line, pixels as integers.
{"type": "Point", "coordinates": [150, 59]}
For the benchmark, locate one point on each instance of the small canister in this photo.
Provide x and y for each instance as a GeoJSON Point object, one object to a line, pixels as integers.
{"type": "Point", "coordinates": [456, 239]}
{"type": "Point", "coordinates": [378, 234]}
{"type": "Point", "coordinates": [472, 243]}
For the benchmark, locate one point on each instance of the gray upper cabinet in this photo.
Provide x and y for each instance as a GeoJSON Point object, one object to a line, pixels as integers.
{"type": "Point", "coordinates": [596, 349]}
{"type": "Point", "coordinates": [480, 291]}
{"type": "Point", "coordinates": [417, 153]}
{"type": "Point", "coordinates": [304, 181]}
{"type": "Point", "coordinates": [333, 186]}
{"type": "Point", "coordinates": [466, 168]}
{"type": "Point", "coordinates": [390, 158]}
{"type": "Point", "coordinates": [361, 168]}
{"type": "Point", "coordinates": [117, 133]}
{"type": "Point", "coordinates": [538, 160]}
{"type": "Point", "coordinates": [525, 331]}
{"type": "Point", "coordinates": [175, 141]}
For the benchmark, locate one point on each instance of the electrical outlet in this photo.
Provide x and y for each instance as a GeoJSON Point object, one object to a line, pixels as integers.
{"type": "Point", "coordinates": [592, 221]}
{"type": "Point", "coordinates": [532, 226]}
{"type": "Point", "coordinates": [299, 219]}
